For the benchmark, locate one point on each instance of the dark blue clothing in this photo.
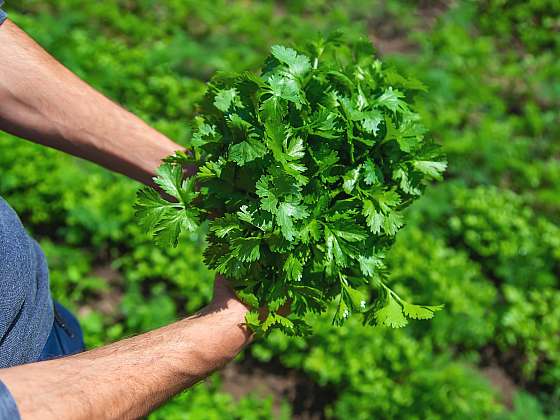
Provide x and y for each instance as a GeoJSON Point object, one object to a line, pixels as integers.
{"type": "Point", "coordinates": [2, 14]}
{"type": "Point", "coordinates": [26, 307]}
{"type": "Point", "coordinates": [8, 407]}
{"type": "Point", "coordinates": [32, 327]}
{"type": "Point", "coordinates": [66, 335]}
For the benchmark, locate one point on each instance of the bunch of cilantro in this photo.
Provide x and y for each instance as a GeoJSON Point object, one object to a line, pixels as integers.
{"type": "Point", "coordinates": [303, 171]}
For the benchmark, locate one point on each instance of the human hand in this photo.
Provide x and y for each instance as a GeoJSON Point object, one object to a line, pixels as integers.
{"type": "Point", "coordinates": [225, 299]}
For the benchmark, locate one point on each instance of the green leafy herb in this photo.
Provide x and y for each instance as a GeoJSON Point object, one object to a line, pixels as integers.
{"type": "Point", "coordinates": [309, 166]}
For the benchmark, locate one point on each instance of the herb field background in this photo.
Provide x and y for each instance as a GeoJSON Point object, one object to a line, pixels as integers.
{"type": "Point", "coordinates": [485, 242]}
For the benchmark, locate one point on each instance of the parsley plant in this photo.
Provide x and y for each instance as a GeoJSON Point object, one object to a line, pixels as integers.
{"type": "Point", "coordinates": [309, 167]}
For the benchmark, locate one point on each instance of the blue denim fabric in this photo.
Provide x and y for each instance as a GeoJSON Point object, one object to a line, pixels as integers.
{"type": "Point", "coordinates": [32, 327]}
{"type": "Point", "coordinates": [8, 407]}
{"type": "Point", "coordinates": [26, 307]}
{"type": "Point", "coordinates": [3, 14]}
{"type": "Point", "coordinates": [66, 335]}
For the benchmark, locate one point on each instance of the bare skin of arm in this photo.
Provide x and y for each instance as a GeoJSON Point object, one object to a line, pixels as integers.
{"type": "Point", "coordinates": [42, 101]}
{"type": "Point", "coordinates": [128, 379]}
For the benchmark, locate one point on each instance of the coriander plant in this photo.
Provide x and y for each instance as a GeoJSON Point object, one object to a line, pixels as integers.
{"type": "Point", "coordinates": [303, 171]}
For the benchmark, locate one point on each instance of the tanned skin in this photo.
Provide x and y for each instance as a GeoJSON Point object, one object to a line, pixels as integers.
{"type": "Point", "coordinates": [129, 378]}
{"type": "Point", "coordinates": [42, 101]}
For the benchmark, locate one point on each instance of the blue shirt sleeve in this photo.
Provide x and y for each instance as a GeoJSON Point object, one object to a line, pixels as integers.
{"type": "Point", "coordinates": [3, 15]}
{"type": "Point", "coordinates": [8, 407]}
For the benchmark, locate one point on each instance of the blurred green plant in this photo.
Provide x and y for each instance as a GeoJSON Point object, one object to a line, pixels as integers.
{"type": "Point", "coordinates": [490, 254]}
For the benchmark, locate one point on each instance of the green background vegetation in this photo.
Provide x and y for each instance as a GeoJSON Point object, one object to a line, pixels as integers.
{"type": "Point", "coordinates": [486, 242]}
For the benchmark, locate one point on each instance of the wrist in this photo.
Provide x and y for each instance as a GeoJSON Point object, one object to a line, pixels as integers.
{"type": "Point", "coordinates": [229, 318]}
{"type": "Point", "coordinates": [152, 158]}
{"type": "Point", "coordinates": [222, 335]}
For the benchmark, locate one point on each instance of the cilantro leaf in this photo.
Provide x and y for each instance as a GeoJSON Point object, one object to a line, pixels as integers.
{"type": "Point", "coordinates": [371, 173]}
{"type": "Point", "coordinates": [225, 99]}
{"type": "Point", "coordinates": [420, 311]}
{"type": "Point", "coordinates": [374, 219]}
{"type": "Point", "coordinates": [286, 214]}
{"type": "Point", "coordinates": [350, 180]}
{"type": "Point", "coordinates": [392, 222]}
{"type": "Point", "coordinates": [370, 265]}
{"type": "Point", "coordinates": [247, 249]}
{"type": "Point", "coordinates": [169, 178]}
{"type": "Point", "coordinates": [298, 63]}
{"type": "Point", "coordinates": [392, 99]}
{"type": "Point", "coordinates": [285, 87]}
{"type": "Point", "coordinates": [151, 208]}
{"type": "Point", "coordinates": [391, 315]}
{"type": "Point", "coordinates": [371, 121]}
{"type": "Point", "coordinates": [433, 169]}
{"type": "Point", "coordinates": [293, 268]}
{"type": "Point", "coordinates": [306, 171]}
{"type": "Point", "coordinates": [247, 151]}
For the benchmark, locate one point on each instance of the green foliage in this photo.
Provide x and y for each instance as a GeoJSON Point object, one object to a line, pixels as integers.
{"type": "Point", "coordinates": [207, 402]}
{"type": "Point", "coordinates": [530, 323]}
{"type": "Point", "coordinates": [422, 265]}
{"type": "Point", "coordinates": [519, 252]}
{"type": "Point", "coordinates": [491, 69]}
{"type": "Point", "coordinates": [405, 379]}
{"type": "Point", "coordinates": [497, 227]}
{"type": "Point", "coordinates": [525, 406]}
{"type": "Point", "coordinates": [309, 166]}
{"type": "Point", "coordinates": [529, 23]}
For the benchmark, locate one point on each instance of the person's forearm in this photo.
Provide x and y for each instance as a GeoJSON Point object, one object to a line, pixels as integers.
{"type": "Point", "coordinates": [42, 101]}
{"type": "Point", "coordinates": [128, 379]}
